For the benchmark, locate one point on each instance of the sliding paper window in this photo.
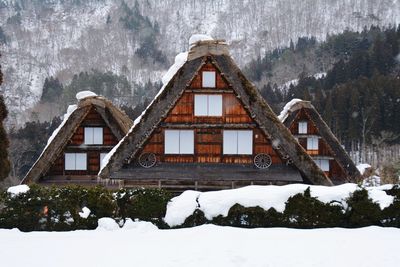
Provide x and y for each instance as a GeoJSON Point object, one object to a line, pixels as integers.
{"type": "Point", "coordinates": [238, 142]}
{"type": "Point", "coordinates": [75, 161]}
{"type": "Point", "coordinates": [179, 142]}
{"type": "Point", "coordinates": [208, 105]}
{"type": "Point", "coordinates": [93, 135]}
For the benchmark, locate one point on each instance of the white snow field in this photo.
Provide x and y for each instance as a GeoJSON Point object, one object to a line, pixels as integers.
{"type": "Point", "coordinates": [206, 245]}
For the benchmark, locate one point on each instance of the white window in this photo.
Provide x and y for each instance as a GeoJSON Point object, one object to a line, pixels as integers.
{"type": "Point", "coordinates": [93, 135]}
{"type": "Point", "coordinates": [102, 156]}
{"type": "Point", "coordinates": [209, 79]}
{"type": "Point", "coordinates": [312, 143]}
{"type": "Point", "coordinates": [208, 105]}
{"type": "Point", "coordinates": [323, 164]}
{"type": "Point", "coordinates": [302, 127]}
{"type": "Point", "coordinates": [238, 142]}
{"type": "Point", "coordinates": [75, 161]}
{"type": "Point", "coordinates": [179, 142]}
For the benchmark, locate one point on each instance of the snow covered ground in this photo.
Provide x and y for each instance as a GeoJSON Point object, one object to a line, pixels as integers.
{"type": "Point", "coordinates": [206, 245]}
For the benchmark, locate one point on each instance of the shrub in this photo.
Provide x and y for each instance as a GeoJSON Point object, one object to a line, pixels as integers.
{"type": "Point", "coordinates": [304, 211]}
{"type": "Point", "coordinates": [361, 210]}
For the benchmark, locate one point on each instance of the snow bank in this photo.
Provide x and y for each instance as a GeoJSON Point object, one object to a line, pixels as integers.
{"type": "Point", "coordinates": [362, 167]}
{"type": "Point", "coordinates": [285, 112]}
{"type": "Point", "coordinates": [107, 224]}
{"type": "Point", "coordinates": [199, 37]}
{"type": "Point", "coordinates": [206, 245]}
{"type": "Point", "coordinates": [218, 203]}
{"type": "Point", "coordinates": [18, 189]}
{"type": "Point", "coordinates": [84, 94]}
{"type": "Point", "coordinates": [85, 212]}
{"type": "Point", "coordinates": [139, 226]}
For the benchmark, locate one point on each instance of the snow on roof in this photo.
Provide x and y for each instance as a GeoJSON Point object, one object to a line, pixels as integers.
{"type": "Point", "coordinates": [84, 94]}
{"type": "Point", "coordinates": [362, 167]}
{"type": "Point", "coordinates": [218, 203]}
{"type": "Point", "coordinates": [70, 110]}
{"type": "Point", "coordinates": [285, 112]}
{"type": "Point", "coordinates": [18, 189]}
{"type": "Point", "coordinates": [199, 37]}
{"type": "Point", "coordinates": [180, 60]}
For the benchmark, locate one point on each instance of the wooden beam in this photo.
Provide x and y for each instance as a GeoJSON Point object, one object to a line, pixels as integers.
{"type": "Point", "coordinates": [208, 125]}
{"type": "Point", "coordinates": [202, 91]}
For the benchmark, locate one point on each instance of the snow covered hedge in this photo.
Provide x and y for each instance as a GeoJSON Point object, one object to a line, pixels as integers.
{"type": "Point", "coordinates": [300, 206]}
{"type": "Point", "coordinates": [297, 205]}
{"type": "Point", "coordinates": [75, 207]}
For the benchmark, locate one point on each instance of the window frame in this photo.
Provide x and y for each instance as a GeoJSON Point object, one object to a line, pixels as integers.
{"type": "Point", "coordinates": [322, 166]}
{"type": "Point", "coordinates": [302, 127]}
{"type": "Point", "coordinates": [182, 149]}
{"type": "Point", "coordinates": [201, 100]}
{"type": "Point", "coordinates": [230, 148]}
{"type": "Point", "coordinates": [203, 76]}
{"type": "Point", "coordinates": [74, 168]}
{"type": "Point", "coordinates": [90, 140]}
{"type": "Point", "coordinates": [311, 144]}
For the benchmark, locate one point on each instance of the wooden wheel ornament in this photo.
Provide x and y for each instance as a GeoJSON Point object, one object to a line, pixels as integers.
{"type": "Point", "coordinates": [262, 161]}
{"type": "Point", "coordinates": [147, 160]}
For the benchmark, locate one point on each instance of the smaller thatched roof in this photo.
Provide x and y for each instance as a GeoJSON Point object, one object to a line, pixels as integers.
{"type": "Point", "coordinates": [116, 120]}
{"type": "Point", "coordinates": [325, 132]}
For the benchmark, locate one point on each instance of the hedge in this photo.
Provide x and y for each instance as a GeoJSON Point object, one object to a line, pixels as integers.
{"type": "Point", "coordinates": [58, 208]}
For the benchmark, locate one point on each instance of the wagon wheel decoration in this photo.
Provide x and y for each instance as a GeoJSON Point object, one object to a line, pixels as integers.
{"type": "Point", "coordinates": [262, 161]}
{"type": "Point", "coordinates": [147, 160]}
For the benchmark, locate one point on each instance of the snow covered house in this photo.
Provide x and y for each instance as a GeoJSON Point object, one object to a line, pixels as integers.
{"type": "Point", "coordinates": [311, 131]}
{"type": "Point", "coordinates": [208, 128]}
{"type": "Point", "coordinates": [74, 152]}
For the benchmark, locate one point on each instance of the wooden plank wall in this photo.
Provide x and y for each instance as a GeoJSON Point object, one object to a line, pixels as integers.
{"type": "Point", "coordinates": [93, 119]}
{"type": "Point", "coordinates": [208, 141]}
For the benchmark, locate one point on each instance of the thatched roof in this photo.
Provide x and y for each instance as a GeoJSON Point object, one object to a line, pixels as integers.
{"type": "Point", "coordinates": [335, 147]}
{"type": "Point", "coordinates": [217, 52]}
{"type": "Point", "coordinates": [116, 120]}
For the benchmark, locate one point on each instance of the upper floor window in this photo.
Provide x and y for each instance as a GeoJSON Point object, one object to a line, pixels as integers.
{"type": "Point", "coordinates": [312, 143]}
{"type": "Point", "coordinates": [75, 161]}
{"type": "Point", "coordinates": [179, 142]}
{"type": "Point", "coordinates": [93, 135]}
{"type": "Point", "coordinates": [238, 142]}
{"type": "Point", "coordinates": [208, 105]}
{"type": "Point", "coordinates": [302, 127]}
{"type": "Point", "coordinates": [209, 79]}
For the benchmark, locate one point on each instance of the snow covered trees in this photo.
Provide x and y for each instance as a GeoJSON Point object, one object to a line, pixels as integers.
{"type": "Point", "coordinates": [4, 143]}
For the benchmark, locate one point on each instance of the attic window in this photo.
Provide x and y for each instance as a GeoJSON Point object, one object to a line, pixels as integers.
{"type": "Point", "coordinates": [238, 142]}
{"type": "Point", "coordinates": [323, 164]}
{"type": "Point", "coordinates": [179, 142]}
{"type": "Point", "coordinates": [208, 105]}
{"type": "Point", "coordinates": [93, 135]}
{"type": "Point", "coordinates": [75, 161]}
{"type": "Point", "coordinates": [209, 79]}
{"type": "Point", "coordinates": [302, 127]}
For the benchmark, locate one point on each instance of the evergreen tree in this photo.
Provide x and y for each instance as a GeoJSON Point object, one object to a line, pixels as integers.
{"type": "Point", "coordinates": [4, 142]}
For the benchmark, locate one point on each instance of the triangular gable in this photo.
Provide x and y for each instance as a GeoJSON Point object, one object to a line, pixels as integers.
{"type": "Point", "coordinates": [338, 152]}
{"type": "Point", "coordinates": [118, 122]}
{"type": "Point", "coordinates": [259, 110]}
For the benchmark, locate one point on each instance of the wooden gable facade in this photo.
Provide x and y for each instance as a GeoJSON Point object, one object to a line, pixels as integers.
{"type": "Point", "coordinates": [306, 124]}
{"type": "Point", "coordinates": [94, 128]}
{"type": "Point", "coordinates": [202, 133]}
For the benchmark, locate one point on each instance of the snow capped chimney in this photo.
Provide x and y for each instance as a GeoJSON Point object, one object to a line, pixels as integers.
{"type": "Point", "coordinates": [202, 45]}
